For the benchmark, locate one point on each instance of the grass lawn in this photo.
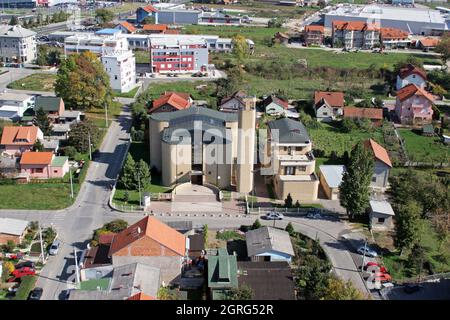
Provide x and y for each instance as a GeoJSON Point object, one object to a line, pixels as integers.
{"type": "Point", "coordinates": [97, 116]}
{"type": "Point", "coordinates": [142, 56]}
{"type": "Point", "coordinates": [35, 82]}
{"type": "Point", "coordinates": [129, 94]}
{"type": "Point", "coordinates": [424, 149]}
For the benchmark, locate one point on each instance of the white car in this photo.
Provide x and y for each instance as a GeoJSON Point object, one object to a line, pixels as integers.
{"type": "Point", "coordinates": [368, 252]}
{"type": "Point", "coordinates": [54, 248]}
{"type": "Point", "coordinates": [274, 216]}
{"type": "Point", "coordinates": [314, 215]}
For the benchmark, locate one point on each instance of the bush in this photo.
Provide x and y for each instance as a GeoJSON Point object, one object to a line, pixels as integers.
{"type": "Point", "coordinates": [256, 225]}
{"type": "Point", "coordinates": [70, 152]}
{"type": "Point", "coordinates": [228, 235]}
{"type": "Point", "coordinates": [290, 229]}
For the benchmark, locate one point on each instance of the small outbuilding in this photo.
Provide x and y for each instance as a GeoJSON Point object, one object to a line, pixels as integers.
{"type": "Point", "coordinates": [269, 244]}
{"type": "Point", "coordinates": [12, 230]}
{"type": "Point", "coordinates": [330, 180]}
{"type": "Point", "coordinates": [381, 215]}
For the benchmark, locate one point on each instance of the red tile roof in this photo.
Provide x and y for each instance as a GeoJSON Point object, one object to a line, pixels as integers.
{"type": "Point", "coordinates": [354, 26]}
{"type": "Point", "coordinates": [429, 42]}
{"type": "Point", "coordinates": [155, 27]}
{"type": "Point", "coordinates": [151, 228]}
{"type": "Point", "coordinates": [128, 26]}
{"type": "Point", "coordinates": [393, 33]}
{"type": "Point", "coordinates": [410, 69]}
{"type": "Point", "coordinates": [149, 8]}
{"type": "Point", "coordinates": [411, 90]}
{"type": "Point", "coordinates": [314, 28]}
{"type": "Point", "coordinates": [238, 95]}
{"type": "Point", "coordinates": [367, 113]}
{"type": "Point", "coordinates": [173, 99]}
{"type": "Point", "coordinates": [141, 296]}
{"type": "Point", "coordinates": [19, 135]}
{"type": "Point", "coordinates": [334, 99]}
{"type": "Point", "coordinates": [172, 31]}
{"type": "Point", "coordinates": [378, 151]}
{"type": "Point", "coordinates": [275, 100]}
{"type": "Point", "coordinates": [36, 158]}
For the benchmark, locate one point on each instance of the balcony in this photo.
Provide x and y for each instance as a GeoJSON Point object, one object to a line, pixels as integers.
{"type": "Point", "coordinates": [294, 159]}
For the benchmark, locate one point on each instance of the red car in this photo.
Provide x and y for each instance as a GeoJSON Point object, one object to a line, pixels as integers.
{"type": "Point", "coordinates": [376, 267]}
{"type": "Point", "coordinates": [19, 273]}
{"type": "Point", "coordinates": [383, 277]}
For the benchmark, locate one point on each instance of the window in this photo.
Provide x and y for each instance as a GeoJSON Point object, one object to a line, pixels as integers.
{"type": "Point", "coordinates": [289, 170]}
{"type": "Point", "coordinates": [380, 220]}
{"type": "Point", "coordinates": [374, 179]}
{"type": "Point", "coordinates": [38, 170]}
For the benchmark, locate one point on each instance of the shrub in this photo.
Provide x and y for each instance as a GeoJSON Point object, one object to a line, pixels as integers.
{"type": "Point", "coordinates": [256, 225]}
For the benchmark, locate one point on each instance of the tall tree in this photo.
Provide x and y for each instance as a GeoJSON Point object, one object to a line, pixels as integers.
{"type": "Point", "coordinates": [83, 83]}
{"type": "Point", "coordinates": [104, 16]}
{"type": "Point", "coordinates": [81, 133]}
{"type": "Point", "coordinates": [127, 177]}
{"type": "Point", "coordinates": [43, 122]}
{"type": "Point", "coordinates": [312, 277]}
{"type": "Point", "coordinates": [240, 47]}
{"type": "Point", "coordinates": [354, 189]}
{"type": "Point", "coordinates": [443, 47]}
{"type": "Point", "coordinates": [14, 21]}
{"type": "Point", "coordinates": [142, 174]}
{"type": "Point", "coordinates": [337, 289]}
{"type": "Point", "coordinates": [407, 225]}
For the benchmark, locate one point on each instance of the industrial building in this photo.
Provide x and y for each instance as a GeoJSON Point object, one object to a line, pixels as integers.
{"type": "Point", "coordinates": [413, 20]}
{"type": "Point", "coordinates": [9, 4]}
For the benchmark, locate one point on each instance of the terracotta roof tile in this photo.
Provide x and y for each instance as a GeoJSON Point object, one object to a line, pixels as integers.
{"type": "Point", "coordinates": [334, 99]}
{"type": "Point", "coordinates": [172, 31]}
{"type": "Point", "coordinates": [149, 8]}
{"type": "Point", "coordinates": [314, 28]}
{"type": "Point", "coordinates": [36, 158]}
{"type": "Point", "coordinates": [367, 113]}
{"type": "Point", "coordinates": [378, 151]}
{"type": "Point", "coordinates": [393, 33]}
{"type": "Point", "coordinates": [141, 296]}
{"type": "Point", "coordinates": [411, 90]}
{"type": "Point", "coordinates": [355, 25]}
{"type": "Point", "coordinates": [128, 26]}
{"type": "Point", "coordinates": [155, 27]}
{"type": "Point", "coordinates": [410, 69]}
{"type": "Point", "coordinates": [429, 42]}
{"type": "Point", "coordinates": [173, 99]}
{"type": "Point", "coordinates": [19, 135]}
{"type": "Point", "coordinates": [154, 229]}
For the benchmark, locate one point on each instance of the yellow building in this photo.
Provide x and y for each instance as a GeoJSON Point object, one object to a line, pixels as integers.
{"type": "Point", "coordinates": [289, 163]}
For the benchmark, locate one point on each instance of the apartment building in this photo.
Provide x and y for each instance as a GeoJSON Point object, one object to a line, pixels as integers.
{"type": "Point", "coordinates": [121, 68]}
{"type": "Point", "coordinates": [313, 35]}
{"type": "Point", "coordinates": [178, 55]}
{"type": "Point", "coordinates": [17, 44]}
{"type": "Point", "coordinates": [95, 43]}
{"type": "Point", "coordinates": [289, 163]}
{"type": "Point", "coordinates": [355, 35]}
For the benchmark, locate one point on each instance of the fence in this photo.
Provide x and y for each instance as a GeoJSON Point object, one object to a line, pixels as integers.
{"type": "Point", "coordinates": [304, 211]}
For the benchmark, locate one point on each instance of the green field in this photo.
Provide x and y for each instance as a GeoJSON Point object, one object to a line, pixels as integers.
{"type": "Point", "coordinates": [424, 149]}
{"type": "Point", "coordinates": [35, 82]}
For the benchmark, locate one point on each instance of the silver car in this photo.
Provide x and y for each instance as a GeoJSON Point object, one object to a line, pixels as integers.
{"type": "Point", "coordinates": [54, 248]}
{"type": "Point", "coordinates": [369, 252]}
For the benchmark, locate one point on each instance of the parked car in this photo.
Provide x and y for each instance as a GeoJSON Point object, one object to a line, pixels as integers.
{"type": "Point", "coordinates": [411, 288]}
{"type": "Point", "coordinates": [368, 252]}
{"type": "Point", "coordinates": [54, 248]}
{"type": "Point", "coordinates": [19, 273]}
{"type": "Point", "coordinates": [36, 294]}
{"type": "Point", "coordinates": [274, 216]}
{"type": "Point", "coordinates": [29, 264]}
{"type": "Point", "coordinates": [312, 215]}
{"type": "Point", "coordinates": [376, 267]}
{"type": "Point", "coordinates": [382, 277]}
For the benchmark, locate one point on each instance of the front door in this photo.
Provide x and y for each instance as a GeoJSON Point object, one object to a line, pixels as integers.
{"type": "Point", "coordinates": [197, 179]}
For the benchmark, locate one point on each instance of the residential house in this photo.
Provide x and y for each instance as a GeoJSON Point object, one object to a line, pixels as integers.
{"type": "Point", "coordinates": [355, 34]}
{"type": "Point", "coordinates": [269, 244]}
{"type": "Point", "coordinates": [275, 106]}
{"type": "Point", "coordinates": [43, 165]}
{"type": "Point", "coordinates": [411, 74]}
{"type": "Point", "coordinates": [392, 38]}
{"type": "Point", "coordinates": [144, 12]}
{"type": "Point", "coordinates": [383, 164]}
{"type": "Point", "coordinates": [381, 215]}
{"type": "Point", "coordinates": [134, 281]}
{"type": "Point", "coordinates": [414, 105]}
{"type": "Point", "coordinates": [12, 230]}
{"type": "Point", "coordinates": [52, 106]}
{"type": "Point", "coordinates": [427, 43]}
{"type": "Point", "coordinates": [126, 27]}
{"type": "Point", "coordinates": [121, 69]}
{"type": "Point", "coordinates": [331, 179]}
{"type": "Point", "coordinates": [222, 274]}
{"type": "Point", "coordinates": [281, 37]}
{"type": "Point", "coordinates": [70, 117]}
{"type": "Point", "coordinates": [289, 163]}
{"type": "Point", "coordinates": [328, 106]}
{"type": "Point", "coordinates": [375, 115]}
{"type": "Point", "coordinates": [171, 101]}
{"type": "Point", "coordinates": [313, 35]}
{"type": "Point", "coordinates": [154, 28]}
{"type": "Point", "coordinates": [268, 280]}
{"type": "Point", "coordinates": [16, 140]}
{"type": "Point", "coordinates": [13, 106]}
{"type": "Point", "coordinates": [235, 102]}
{"type": "Point", "coordinates": [60, 131]}
{"type": "Point", "coordinates": [17, 44]}
{"type": "Point", "coordinates": [152, 243]}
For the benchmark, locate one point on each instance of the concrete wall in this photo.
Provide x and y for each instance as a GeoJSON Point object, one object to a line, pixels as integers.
{"type": "Point", "coordinates": [299, 190]}
{"type": "Point", "coordinates": [380, 174]}
{"type": "Point", "coordinates": [386, 225]}
{"type": "Point", "coordinates": [155, 129]}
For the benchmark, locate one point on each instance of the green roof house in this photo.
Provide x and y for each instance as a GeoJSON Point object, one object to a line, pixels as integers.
{"type": "Point", "coordinates": [53, 106]}
{"type": "Point", "coordinates": [222, 274]}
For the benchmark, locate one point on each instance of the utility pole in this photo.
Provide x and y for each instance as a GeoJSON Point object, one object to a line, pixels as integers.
{"type": "Point", "coordinates": [90, 151]}
{"type": "Point", "coordinates": [42, 245]}
{"type": "Point", "coordinates": [76, 266]}
{"type": "Point", "coordinates": [71, 182]}
{"type": "Point", "coordinates": [364, 255]}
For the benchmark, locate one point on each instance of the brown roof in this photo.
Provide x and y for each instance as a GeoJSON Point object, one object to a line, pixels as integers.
{"type": "Point", "coordinates": [151, 228]}
{"type": "Point", "coordinates": [149, 8]}
{"type": "Point", "coordinates": [128, 26]}
{"type": "Point", "coordinates": [429, 42]}
{"type": "Point", "coordinates": [368, 113]}
{"type": "Point", "coordinates": [275, 100]}
{"type": "Point", "coordinates": [155, 27]}
{"type": "Point", "coordinates": [314, 28]}
{"type": "Point", "coordinates": [141, 296]}
{"type": "Point", "coordinates": [36, 158]}
{"type": "Point", "coordinates": [334, 99]}
{"type": "Point", "coordinates": [240, 94]}
{"type": "Point", "coordinates": [175, 99]}
{"type": "Point", "coordinates": [281, 35]}
{"type": "Point", "coordinates": [410, 69]}
{"type": "Point", "coordinates": [393, 33]}
{"type": "Point", "coordinates": [378, 151]}
{"type": "Point", "coordinates": [411, 90]}
{"type": "Point", "coordinates": [355, 25]}
{"type": "Point", "coordinates": [172, 31]}
{"type": "Point", "coordinates": [19, 135]}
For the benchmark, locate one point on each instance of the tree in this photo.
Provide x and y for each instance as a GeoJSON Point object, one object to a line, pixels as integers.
{"type": "Point", "coordinates": [43, 122]}
{"type": "Point", "coordinates": [127, 177]}
{"type": "Point", "coordinates": [82, 82]}
{"type": "Point", "coordinates": [407, 225]}
{"type": "Point", "coordinates": [165, 294]}
{"type": "Point", "coordinates": [142, 174]}
{"type": "Point", "coordinates": [70, 151]}
{"type": "Point", "coordinates": [240, 47]}
{"type": "Point", "coordinates": [81, 133]}
{"type": "Point", "coordinates": [312, 277]}
{"type": "Point", "coordinates": [290, 229]}
{"type": "Point", "coordinates": [104, 16]}
{"type": "Point", "coordinates": [49, 235]}
{"type": "Point", "coordinates": [116, 226]}
{"type": "Point", "coordinates": [244, 292]}
{"type": "Point", "coordinates": [38, 146]}
{"type": "Point", "coordinates": [205, 233]}
{"type": "Point", "coordinates": [416, 259]}
{"type": "Point", "coordinates": [150, 20]}
{"type": "Point", "coordinates": [443, 47]}
{"type": "Point", "coordinates": [126, 196]}
{"type": "Point", "coordinates": [9, 246]}
{"type": "Point", "coordinates": [337, 289]}
{"type": "Point", "coordinates": [288, 201]}
{"type": "Point", "coordinates": [13, 21]}
{"type": "Point", "coordinates": [354, 189]}
{"type": "Point", "coordinates": [42, 56]}
{"type": "Point", "coordinates": [256, 225]}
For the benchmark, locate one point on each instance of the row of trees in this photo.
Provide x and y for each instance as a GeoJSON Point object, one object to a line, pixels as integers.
{"type": "Point", "coordinates": [40, 20]}
{"type": "Point", "coordinates": [134, 174]}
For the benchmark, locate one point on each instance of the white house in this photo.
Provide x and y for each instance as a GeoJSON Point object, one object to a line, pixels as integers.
{"type": "Point", "coordinates": [12, 106]}
{"type": "Point", "coordinates": [269, 244]}
{"type": "Point", "coordinates": [381, 215]}
{"type": "Point", "coordinates": [411, 74]}
{"type": "Point", "coordinates": [121, 68]}
{"type": "Point", "coordinates": [275, 106]}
